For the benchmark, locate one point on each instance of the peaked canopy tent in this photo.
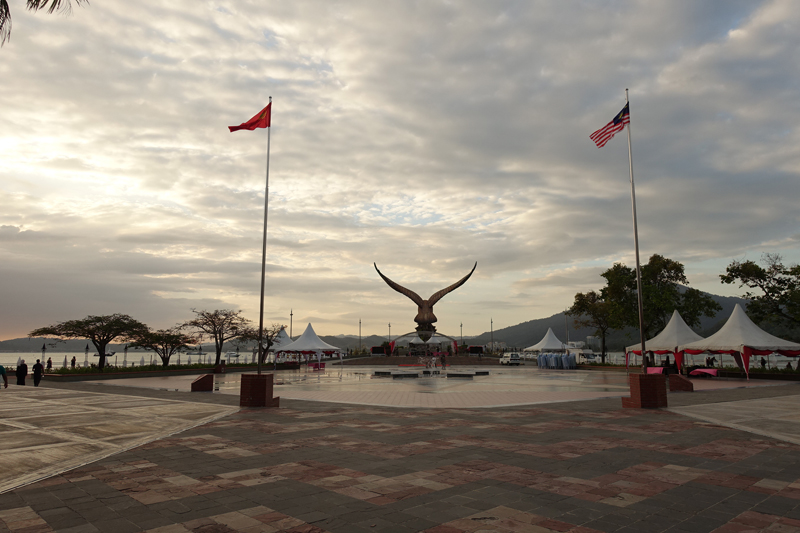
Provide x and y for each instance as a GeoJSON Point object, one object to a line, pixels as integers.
{"type": "Point", "coordinates": [307, 343]}
{"type": "Point", "coordinates": [676, 333]}
{"type": "Point", "coordinates": [439, 341]}
{"type": "Point", "coordinates": [281, 339]}
{"type": "Point", "coordinates": [742, 339]}
{"type": "Point", "coordinates": [549, 343]}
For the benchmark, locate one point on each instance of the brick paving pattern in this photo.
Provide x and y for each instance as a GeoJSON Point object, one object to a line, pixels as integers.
{"type": "Point", "coordinates": [313, 467]}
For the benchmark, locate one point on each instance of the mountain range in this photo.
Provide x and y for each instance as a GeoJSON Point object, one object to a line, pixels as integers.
{"type": "Point", "coordinates": [518, 336]}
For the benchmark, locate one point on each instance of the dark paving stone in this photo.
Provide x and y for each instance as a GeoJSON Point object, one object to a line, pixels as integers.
{"type": "Point", "coordinates": [776, 505]}
{"type": "Point", "coordinates": [94, 505]}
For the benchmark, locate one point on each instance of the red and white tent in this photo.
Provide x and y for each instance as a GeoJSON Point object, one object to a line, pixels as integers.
{"type": "Point", "coordinates": [741, 338]}
{"type": "Point", "coordinates": [676, 333]}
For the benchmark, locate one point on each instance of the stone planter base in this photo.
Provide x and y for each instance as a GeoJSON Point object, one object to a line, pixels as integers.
{"type": "Point", "coordinates": [204, 383]}
{"type": "Point", "coordinates": [680, 383]}
{"type": "Point", "coordinates": [648, 391]}
{"type": "Point", "coordinates": [256, 391]}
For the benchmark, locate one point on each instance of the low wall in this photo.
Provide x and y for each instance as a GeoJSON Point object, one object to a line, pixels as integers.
{"type": "Point", "coordinates": [395, 360]}
{"type": "Point", "coordinates": [760, 375]}
{"type": "Point", "coordinates": [64, 378]}
{"type": "Point", "coordinates": [634, 369]}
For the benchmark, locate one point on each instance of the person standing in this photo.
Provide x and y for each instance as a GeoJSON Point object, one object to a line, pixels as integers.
{"type": "Point", "coordinates": [22, 371]}
{"type": "Point", "coordinates": [73, 361]}
{"type": "Point", "coordinates": [49, 363]}
{"type": "Point", "coordinates": [5, 378]}
{"type": "Point", "coordinates": [38, 370]}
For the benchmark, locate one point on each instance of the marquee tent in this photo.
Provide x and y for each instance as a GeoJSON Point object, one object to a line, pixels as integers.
{"type": "Point", "coordinates": [676, 333]}
{"type": "Point", "coordinates": [308, 342]}
{"type": "Point", "coordinates": [741, 338]}
{"type": "Point", "coordinates": [281, 339]}
{"type": "Point", "coordinates": [549, 343]}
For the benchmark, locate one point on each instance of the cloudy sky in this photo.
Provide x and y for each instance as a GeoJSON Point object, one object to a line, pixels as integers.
{"type": "Point", "coordinates": [423, 136]}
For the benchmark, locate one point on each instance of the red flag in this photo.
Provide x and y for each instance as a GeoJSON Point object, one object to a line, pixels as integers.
{"type": "Point", "coordinates": [261, 120]}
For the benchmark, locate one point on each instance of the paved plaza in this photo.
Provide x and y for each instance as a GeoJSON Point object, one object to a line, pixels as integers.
{"type": "Point", "coordinates": [578, 466]}
{"type": "Point", "coordinates": [503, 387]}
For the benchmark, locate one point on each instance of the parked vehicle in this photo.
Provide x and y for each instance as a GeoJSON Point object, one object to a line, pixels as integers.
{"type": "Point", "coordinates": [511, 359]}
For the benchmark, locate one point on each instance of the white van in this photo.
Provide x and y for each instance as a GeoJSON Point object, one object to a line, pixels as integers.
{"type": "Point", "coordinates": [511, 359]}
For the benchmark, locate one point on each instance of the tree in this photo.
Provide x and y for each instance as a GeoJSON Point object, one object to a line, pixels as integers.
{"type": "Point", "coordinates": [165, 342]}
{"type": "Point", "coordinates": [592, 311]}
{"type": "Point", "coordinates": [778, 285]}
{"type": "Point", "coordinates": [221, 325]}
{"type": "Point", "coordinates": [32, 5]}
{"type": "Point", "coordinates": [101, 330]}
{"type": "Point", "coordinates": [250, 334]}
{"type": "Point", "coordinates": [663, 291]}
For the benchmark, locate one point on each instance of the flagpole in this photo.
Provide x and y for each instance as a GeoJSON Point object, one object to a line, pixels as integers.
{"type": "Point", "coordinates": [264, 254]}
{"type": "Point", "coordinates": [636, 245]}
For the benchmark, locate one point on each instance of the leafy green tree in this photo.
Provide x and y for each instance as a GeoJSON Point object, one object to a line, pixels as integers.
{"type": "Point", "coordinates": [221, 325]}
{"type": "Point", "coordinates": [775, 289]}
{"type": "Point", "coordinates": [592, 311]}
{"type": "Point", "coordinates": [101, 330]}
{"type": "Point", "coordinates": [165, 342]}
{"type": "Point", "coordinates": [663, 291]}
{"type": "Point", "coordinates": [32, 5]}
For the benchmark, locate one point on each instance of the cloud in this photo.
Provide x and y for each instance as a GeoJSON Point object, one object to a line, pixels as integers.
{"type": "Point", "coordinates": [421, 136]}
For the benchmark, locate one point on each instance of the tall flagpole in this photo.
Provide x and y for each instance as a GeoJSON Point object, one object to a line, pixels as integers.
{"type": "Point", "coordinates": [636, 245]}
{"type": "Point", "coordinates": [264, 254]}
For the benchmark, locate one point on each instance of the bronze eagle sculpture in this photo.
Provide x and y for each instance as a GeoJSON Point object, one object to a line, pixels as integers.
{"type": "Point", "coordinates": [425, 317]}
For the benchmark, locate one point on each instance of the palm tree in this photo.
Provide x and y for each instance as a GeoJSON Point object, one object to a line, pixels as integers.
{"type": "Point", "coordinates": [32, 5]}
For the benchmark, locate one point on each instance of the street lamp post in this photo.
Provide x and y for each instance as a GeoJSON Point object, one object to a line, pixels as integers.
{"type": "Point", "coordinates": [491, 328]}
{"type": "Point", "coordinates": [360, 348]}
{"type": "Point", "coordinates": [462, 333]}
{"type": "Point", "coordinates": [291, 315]}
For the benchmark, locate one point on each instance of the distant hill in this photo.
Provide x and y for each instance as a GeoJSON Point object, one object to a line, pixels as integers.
{"type": "Point", "coordinates": [34, 345]}
{"type": "Point", "coordinates": [530, 332]}
{"type": "Point", "coordinates": [519, 336]}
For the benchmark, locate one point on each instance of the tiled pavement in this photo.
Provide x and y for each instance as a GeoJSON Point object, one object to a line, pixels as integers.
{"type": "Point", "coordinates": [46, 430]}
{"type": "Point", "coordinates": [578, 466]}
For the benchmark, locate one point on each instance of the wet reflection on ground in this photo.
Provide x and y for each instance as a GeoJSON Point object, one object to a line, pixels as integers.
{"type": "Point", "coordinates": [361, 379]}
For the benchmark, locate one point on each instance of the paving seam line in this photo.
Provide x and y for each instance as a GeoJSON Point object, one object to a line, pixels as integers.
{"type": "Point", "coordinates": [731, 425]}
{"type": "Point", "coordinates": [230, 410]}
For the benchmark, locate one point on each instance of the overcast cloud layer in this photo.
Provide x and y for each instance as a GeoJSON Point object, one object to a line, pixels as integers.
{"type": "Point", "coordinates": [423, 136]}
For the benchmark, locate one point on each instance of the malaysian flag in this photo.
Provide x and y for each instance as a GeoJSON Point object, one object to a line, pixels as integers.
{"type": "Point", "coordinates": [607, 132]}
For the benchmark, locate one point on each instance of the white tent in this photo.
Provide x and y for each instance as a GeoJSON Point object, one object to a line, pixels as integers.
{"type": "Point", "coordinates": [281, 339]}
{"type": "Point", "coordinates": [676, 333]}
{"type": "Point", "coordinates": [308, 342]}
{"type": "Point", "coordinates": [742, 338]}
{"type": "Point", "coordinates": [549, 343]}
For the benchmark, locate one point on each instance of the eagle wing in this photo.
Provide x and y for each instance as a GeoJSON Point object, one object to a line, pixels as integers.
{"type": "Point", "coordinates": [402, 290]}
{"type": "Point", "coordinates": [440, 294]}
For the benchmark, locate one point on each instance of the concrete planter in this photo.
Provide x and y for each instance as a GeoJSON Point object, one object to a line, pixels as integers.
{"type": "Point", "coordinates": [256, 391]}
{"type": "Point", "coordinates": [648, 391]}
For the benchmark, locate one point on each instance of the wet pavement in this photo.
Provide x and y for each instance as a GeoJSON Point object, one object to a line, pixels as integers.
{"type": "Point", "coordinates": [579, 466]}
{"type": "Point", "coordinates": [502, 387]}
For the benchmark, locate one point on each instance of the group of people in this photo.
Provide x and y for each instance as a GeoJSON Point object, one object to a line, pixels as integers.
{"type": "Point", "coordinates": [22, 372]}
